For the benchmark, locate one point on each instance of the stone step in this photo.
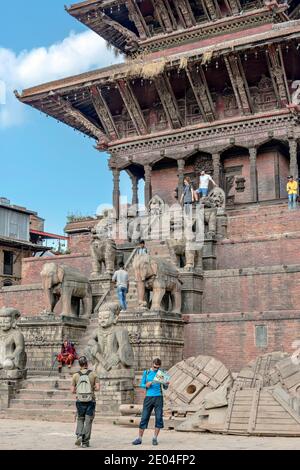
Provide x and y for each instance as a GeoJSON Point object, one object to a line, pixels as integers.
{"type": "Point", "coordinates": [52, 414]}
{"type": "Point", "coordinates": [41, 394]}
{"type": "Point", "coordinates": [42, 403]}
{"type": "Point", "coordinates": [40, 414]}
{"type": "Point", "coordinates": [47, 384]}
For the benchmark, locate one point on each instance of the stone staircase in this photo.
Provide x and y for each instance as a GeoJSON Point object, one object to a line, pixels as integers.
{"type": "Point", "coordinates": [49, 398]}
{"type": "Point", "coordinates": [46, 399]}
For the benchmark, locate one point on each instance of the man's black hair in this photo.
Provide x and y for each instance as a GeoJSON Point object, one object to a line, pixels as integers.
{"type": "Point", "coordinates": [142, 242]}
{"type": "Point", "coordinates": [121, 264]}
{"type": "Point", "coordinates": [157, 361]}
{"type": "Point", "coordinates": [83, 362]}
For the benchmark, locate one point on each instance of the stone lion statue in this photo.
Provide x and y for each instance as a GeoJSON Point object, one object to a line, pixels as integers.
{"type": "Point", "coordinates": [160, 277]}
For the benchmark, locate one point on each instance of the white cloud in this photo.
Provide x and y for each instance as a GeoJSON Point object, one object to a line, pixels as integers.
{"type": "Point", "coordinates": [76, 54]}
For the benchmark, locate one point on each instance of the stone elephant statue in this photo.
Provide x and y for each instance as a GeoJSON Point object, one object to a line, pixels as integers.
{"type": "Point", "coordinates": [159, 276]}
{"type": "Point", "coordinates": [103, 251]}
{"type": "Point", "coordinates": [63, 282]}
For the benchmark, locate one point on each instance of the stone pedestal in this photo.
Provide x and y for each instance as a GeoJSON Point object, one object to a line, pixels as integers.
{"type": "Point", "coordinates": [9, 387]}
{"type": "Point", "coordinates": [116, 388]}
{"type": "Point", "coordinates": [101, 286]}
{"type": "Point", "coordinates": [154, 334]}
{"type": "Point", "coordinates": [44, 336]}
{"type": "Point", "coordinates": [192, 291]}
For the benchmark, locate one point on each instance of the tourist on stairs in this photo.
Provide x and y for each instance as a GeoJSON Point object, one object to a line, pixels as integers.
{"type": "Point", "coordinates": [121, 279]}
{"type": "Point", "coordinates": [204, 183]}
{"type": "Point", "coordinates": [141, 250]}
{"type": "Point", "coordinates": [187, 196]}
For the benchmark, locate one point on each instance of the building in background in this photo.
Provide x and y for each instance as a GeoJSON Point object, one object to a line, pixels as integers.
{"type": "Point", "coordinates": [21, 236]}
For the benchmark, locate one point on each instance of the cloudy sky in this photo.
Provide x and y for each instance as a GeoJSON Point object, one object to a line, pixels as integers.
{"type": "Point", "coordinates": [45, 165]}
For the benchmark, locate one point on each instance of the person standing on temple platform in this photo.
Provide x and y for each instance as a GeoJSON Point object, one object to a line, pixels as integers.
{"type": "Point", "coordinates": [122, 281]}
{"type": "Point", "coordinates": [204, 183]}
{"type": "Point", "coordinates": [67, 355]}
{"type": "Point", "coordinates": [84, 384]}
{"type": "Point", "coordinates": [142, 250]}
{"type": "Point", "coordinates": [292, 190]}
{"type": "Point", "coordinates": [187, 196]}
{"type": "Point", "coordinates": [152, 401]}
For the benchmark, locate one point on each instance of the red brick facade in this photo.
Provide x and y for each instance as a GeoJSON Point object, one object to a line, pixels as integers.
{"type": "Point", "coordinates": [258, 277]}
{"type": "Point", "coordinates": [231, 338]}
{"type": "Point", "coordinates": [33, 266]}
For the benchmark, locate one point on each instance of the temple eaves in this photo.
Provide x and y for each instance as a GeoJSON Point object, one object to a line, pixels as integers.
{"type": "Point", "coordinates": [102, 102]}
{"type": "Point", "coordinates": [137, 27]}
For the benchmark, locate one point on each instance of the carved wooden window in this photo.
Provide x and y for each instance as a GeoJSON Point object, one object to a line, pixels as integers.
{"type": "Point", "coordinates": [8, 263]}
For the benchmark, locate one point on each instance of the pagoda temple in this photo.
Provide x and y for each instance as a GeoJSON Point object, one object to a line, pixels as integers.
{"type": "Point", "coordinates": [206, 84]}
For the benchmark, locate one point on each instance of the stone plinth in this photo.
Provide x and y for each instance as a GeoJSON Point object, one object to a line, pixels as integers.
{"type": "Point", "coordinates": [9, 387]}
{"type": "Point", "coordinates": [154, 334]}
{"type": "Point", "coordinates": [102, 285]}
{"type": "Point", "coordinates": [116, 388]}
{"type": "Point", "coordinates": [44, 336]}
{"type": "Point", "coordinates": [192, 291]}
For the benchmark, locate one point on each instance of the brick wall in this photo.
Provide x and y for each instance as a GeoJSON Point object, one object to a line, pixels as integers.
{"type": "Point", "coordinates": [252, 289]}
{"type": "Point", "coordinates": [33, 266]}
{"type": "Point", "coordinates": [231, 338]}
{"type": "Point", "coordinates": [80, 243]}
{"type": "Point", "coordinates": [28, 299]}
{"type": "Point", "coordinates": [258, 251]}
{"type": "Point", "coordinates": [164, 181]}
{"type": "Point", "coordinates": [262, 221]}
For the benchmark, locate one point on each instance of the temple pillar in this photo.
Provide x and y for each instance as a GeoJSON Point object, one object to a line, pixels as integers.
{"type": "Point", "coordinates": [116, 191]}
{"type": "Point", "coordinates": [293, 158]}
{"type": "Point", "coordinates": [253, 174]}
{"type": "Point", "coordinates": [148, 188]}
{"type": "Point", "coordinates": [216, 166]}
{"type": "Point", "coordinates": [135, 190]}
{"type": "Point", "coordinates": [180, 165]}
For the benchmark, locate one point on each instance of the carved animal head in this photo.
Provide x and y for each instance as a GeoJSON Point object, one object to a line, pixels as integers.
{"type": "Point", "coordinates": [52, 274]}
{"type": "Point", "coordinates": [217, 197]}
{"type": "Point", "coordinates": [143, 267]}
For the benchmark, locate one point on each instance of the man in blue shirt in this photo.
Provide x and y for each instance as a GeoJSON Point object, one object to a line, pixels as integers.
{"type": "Point", "coordinates": [153, 400]}
{"type": "Point", "coordinates": [142, 250]}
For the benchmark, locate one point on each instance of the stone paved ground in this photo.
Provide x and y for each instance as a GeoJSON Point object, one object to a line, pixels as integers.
{"type": "Point", "coordinates": [39, 435]}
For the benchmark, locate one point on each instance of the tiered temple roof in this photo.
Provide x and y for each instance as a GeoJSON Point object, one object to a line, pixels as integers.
{"type": "Point", "coordinates": [252, 70]}
{"type": "Point", "coordinates": [151, 25]}
{"type": "Point", "coordinates": [206, 84]}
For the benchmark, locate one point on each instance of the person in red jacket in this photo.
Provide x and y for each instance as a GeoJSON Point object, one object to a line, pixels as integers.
{"type": "Point", "coordinates": [67, 355]}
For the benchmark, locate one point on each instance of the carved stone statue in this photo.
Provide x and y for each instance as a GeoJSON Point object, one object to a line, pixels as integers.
{"type": "Point", "coordinates": [296, 93]}
{"type": "Point", "coordinates": [184, 255]}
{"type": "Point", "coordinates": [109, 347]}
{"type": "Point", "coordinates": [214, 201]}
{"type": "Point", "coordinates": [66, 283]}
{"type": "Point", "coordinates": [159, 276]}
{"type": "Point", "coordinates": [156, 206]}
{"type": "Point", "coordinates": [103, 249]}
{"type": "Point", "coordinates": [12, 346]}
